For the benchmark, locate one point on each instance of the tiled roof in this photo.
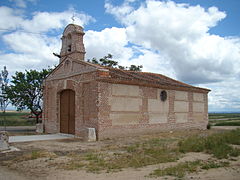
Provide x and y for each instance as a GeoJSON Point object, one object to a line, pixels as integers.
{"type": "Point", "coordinates": [146, 79]}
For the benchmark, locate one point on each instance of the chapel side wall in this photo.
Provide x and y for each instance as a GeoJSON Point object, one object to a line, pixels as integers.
{"type": "Point", "coordinates": [129, 110]}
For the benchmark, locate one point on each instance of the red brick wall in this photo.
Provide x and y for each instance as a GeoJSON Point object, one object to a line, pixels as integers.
{"type": "Point", "coordinates": [106, 129]}
{"type": "Point", "coordinates": [86, 110]}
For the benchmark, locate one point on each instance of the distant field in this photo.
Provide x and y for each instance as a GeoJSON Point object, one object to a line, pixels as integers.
{"type": "Point", "coordinates": [14, 118]}
{"type": "Point", "coordinates": [224, 115]}
{"type": "Point", "coordinates": [224, 119]}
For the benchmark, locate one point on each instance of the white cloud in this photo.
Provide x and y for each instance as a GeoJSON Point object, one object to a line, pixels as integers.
{"type": "Point", "coordinates": [45, 21]}
{"type": "Point", "coordinates": [152, 62]}
{"type": "Point", "coordinates": [40, 21]}
{"type": "Point", "coordinates": [119, 11]}
{"type": "Point", "coordinates": [39, 45]}
{"type": "Point", "coordinates": [20, 62]}
{"type": "Point", "coordinates": [108, 41]}
{"type": "Point", "coordinates": [9, 19]}
{"type": "Point", "coordinates": [19, 3]}
{"type": "Point", "coordinates": [225, 95]}
{"type": "Point", "coordinates": [22, 3]}
{"type": "Point", "coordinates": [29, 51]}
{"type": "Point", "coordinates": [27, 44]}
{"type": "Point", "coordinates": [180, 32]}
{"type": "Point", "coordinates": [114, 41]}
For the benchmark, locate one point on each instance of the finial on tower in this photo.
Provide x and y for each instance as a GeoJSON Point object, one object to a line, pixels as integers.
{"type": "Point", "coordinates": [73, 18]}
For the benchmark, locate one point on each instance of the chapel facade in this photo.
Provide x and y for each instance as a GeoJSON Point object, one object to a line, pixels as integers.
{"type": "Point", "coordinates": [79, 95]}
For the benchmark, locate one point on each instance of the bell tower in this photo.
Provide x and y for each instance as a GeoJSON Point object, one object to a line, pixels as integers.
{"type": "Point", "coordinates": [72, 43]}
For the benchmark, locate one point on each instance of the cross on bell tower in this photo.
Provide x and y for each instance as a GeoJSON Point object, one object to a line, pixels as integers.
{"type": "Point", "coordinates": [73, 18]}
{"type": "Point", "coordinates": [72, 43]}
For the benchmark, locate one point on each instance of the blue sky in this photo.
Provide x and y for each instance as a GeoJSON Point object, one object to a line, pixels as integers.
{"type": "Point", "coordinates": [194, 41]}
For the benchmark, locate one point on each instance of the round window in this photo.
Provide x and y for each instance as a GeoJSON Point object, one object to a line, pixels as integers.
{"type": "Point", "coordinates": [163, 95]}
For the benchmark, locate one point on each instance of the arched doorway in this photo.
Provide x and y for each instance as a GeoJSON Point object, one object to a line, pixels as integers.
{"type": "Point", "coordinates": [67, 112]}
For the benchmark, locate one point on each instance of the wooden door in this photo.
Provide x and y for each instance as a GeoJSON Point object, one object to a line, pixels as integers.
{"type": "Point", "coordinates": [67, 112]}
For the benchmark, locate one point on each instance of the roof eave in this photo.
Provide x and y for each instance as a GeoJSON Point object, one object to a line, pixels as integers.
{"type": "Point", "coordinates": [170, 87]}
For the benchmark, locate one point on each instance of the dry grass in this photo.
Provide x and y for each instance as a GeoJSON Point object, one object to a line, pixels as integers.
{"type": "Point", "coordinates": [217, 144]}
{"type": "Point", "coordinates": [181, 169]}
{"type": "Point", "coordinates": [35, 154]}
{"type": "Point", "coordinates": [112, 155]}
{"type": "Point", "coordinates": [137, 155]}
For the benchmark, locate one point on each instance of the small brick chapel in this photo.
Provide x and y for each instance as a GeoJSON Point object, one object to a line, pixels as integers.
{"type": "Point", "coordinates": [79, 95]}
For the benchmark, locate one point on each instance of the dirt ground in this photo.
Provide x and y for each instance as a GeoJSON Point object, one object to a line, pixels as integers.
{"type": "Point", "coordinates": [231, 173]}
{"type": "Point", "coordinates": [47, 167]}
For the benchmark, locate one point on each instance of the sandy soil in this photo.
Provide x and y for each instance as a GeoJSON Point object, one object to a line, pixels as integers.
{"type": "Point", "coordinates": [212, 174]}
{"type": "Point", "coordinates": [45, 168]}
{"type": "Point", "coordinates": [229, 173]}
{"type": "Point", "coordinates": [7, 174]}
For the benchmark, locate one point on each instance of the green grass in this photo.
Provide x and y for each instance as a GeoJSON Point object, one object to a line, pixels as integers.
{"type": "Point", "coordinates": [16, 119]}
{"type": "Point", "coordinates": [213, 164]}
{"type": "Point", "coordinates": [223, 115]}
{"type": "Point", "coordinates": [216, 144]}
{"type": "Point", "coordinates": [178, 170]}
{"type": "Point", "coordinates": [229, 123]}
{"type": "Point", "coordinates": [226, 114]}
{"type": "Point", "coordinates": [32, 155]}
{"type": "Point", "coordinates": [157, 151]}
{"type": "Point", "coordinates": [137, 155]}
{"type": "Point", "coordinates": [181, 169]}
{"type": "Point", "coordinates": [36, 155]}
{"type": "Point", "coordinates": [224, 119]}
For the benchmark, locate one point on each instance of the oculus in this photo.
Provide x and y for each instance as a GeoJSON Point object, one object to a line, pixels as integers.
{"type": "Point", "coordinates": [163, 95]}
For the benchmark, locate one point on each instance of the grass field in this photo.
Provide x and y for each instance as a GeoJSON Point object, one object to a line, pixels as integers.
{"type": "Point", "coordinates": [224, 119]}
{"type": "Point", "coordinates": [224, 116]}
{"type": "Point", "coordinates": [16, 119]}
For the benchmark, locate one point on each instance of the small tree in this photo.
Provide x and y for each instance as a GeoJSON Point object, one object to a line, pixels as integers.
{"type": "Point", "coordinates": [107, 61]}
{"type": "Point", "coordinates": [26, 91]}
{"type": "Point", "coordinates": [4, 100]}
{"type": "Point", "coordinates": [135, 68]}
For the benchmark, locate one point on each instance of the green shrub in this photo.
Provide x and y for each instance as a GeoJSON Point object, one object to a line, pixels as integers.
{"type": "Point", "coordinates": [231, 123]}
{"type": "Point", "coordinates": [216, 144]}
{"type": "Point", "coordinates": [192, 144]}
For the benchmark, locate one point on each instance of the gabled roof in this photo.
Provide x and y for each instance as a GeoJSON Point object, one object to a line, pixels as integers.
{"type": "Point", "coordinates": [146, 79]}
{"type": "Point", "coordinates": [59, 71]}
{"type": "Point", "coordinates": [114, 75]}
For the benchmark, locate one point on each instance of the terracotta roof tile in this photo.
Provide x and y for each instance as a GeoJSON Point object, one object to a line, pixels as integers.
{"type": "Point", "coordinates": [147, 79]}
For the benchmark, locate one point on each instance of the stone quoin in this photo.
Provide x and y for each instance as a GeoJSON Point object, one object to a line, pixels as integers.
{"type": "Point", "coordinates": [79, 96]}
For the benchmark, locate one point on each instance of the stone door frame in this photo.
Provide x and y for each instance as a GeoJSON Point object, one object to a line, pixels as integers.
{"type": "Point", "coordinates": [65, 85]}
